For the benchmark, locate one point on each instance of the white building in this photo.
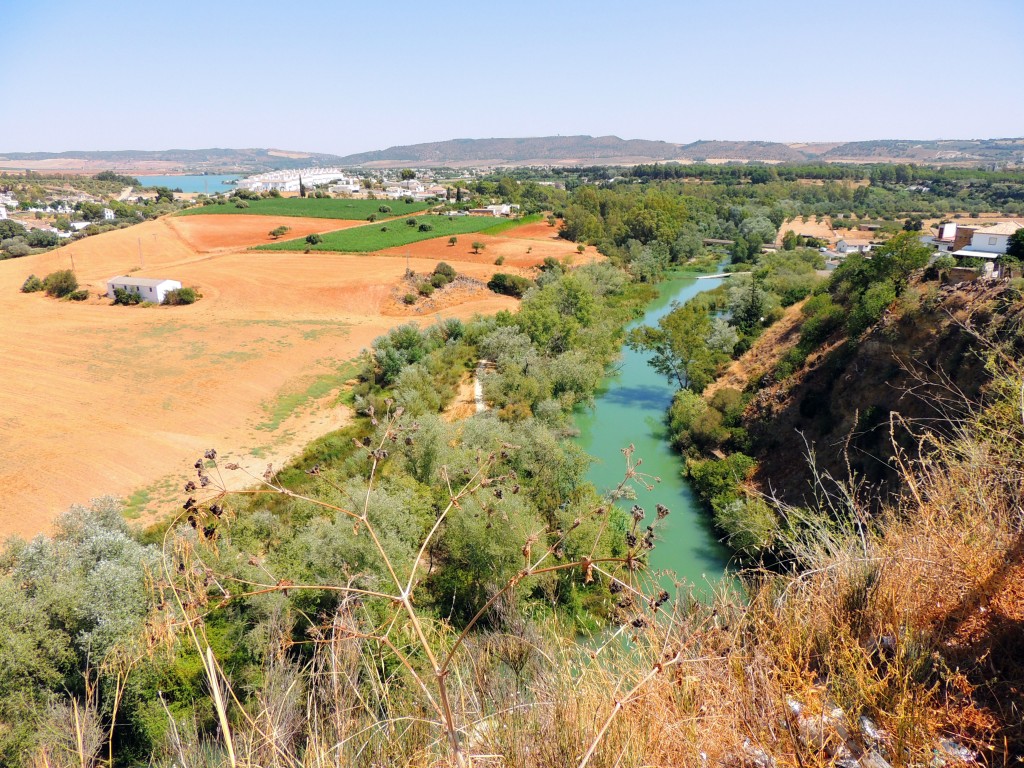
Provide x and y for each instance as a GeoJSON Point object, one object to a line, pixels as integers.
{"type": "Point", "coordinates": [852, 246]}
{"type": "Point", "coordinates": [148, 289]}
{"type": "Point", "coordinates": [108, 215]}
{"type": "Point", "coordinates": [3, 212]}
{"type": "Point", "coordinates": [994, 239]}
{"type": "Point", "coordinates": [288, 181]}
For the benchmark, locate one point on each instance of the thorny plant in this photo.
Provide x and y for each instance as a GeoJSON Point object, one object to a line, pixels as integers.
{"type": "Point", "coordinates": [426, 652]}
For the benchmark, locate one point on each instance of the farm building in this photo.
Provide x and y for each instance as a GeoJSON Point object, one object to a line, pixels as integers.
{"type": "Point", "coordinates": [149, 289]}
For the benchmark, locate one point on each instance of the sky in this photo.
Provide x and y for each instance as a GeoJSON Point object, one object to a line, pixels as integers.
{"type": "Point", "coordinates": [343, 77]}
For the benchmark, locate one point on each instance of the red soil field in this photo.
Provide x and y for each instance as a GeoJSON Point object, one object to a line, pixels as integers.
{"type": "Point", "coordinates": [97, 399]}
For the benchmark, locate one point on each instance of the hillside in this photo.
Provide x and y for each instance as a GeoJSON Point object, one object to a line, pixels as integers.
{"type": "Point", "coordinates": [541, 150]}
{"type": "Point", "coordinates": [611, 150]}
{"type": "Point", "coordinates": [179, 160]}
{"type": "Point", "coordinates": [915, 366]}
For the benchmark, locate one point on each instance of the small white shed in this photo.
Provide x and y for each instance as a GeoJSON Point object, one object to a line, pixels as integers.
{"type": "Point", "coordinates": [149, 289]}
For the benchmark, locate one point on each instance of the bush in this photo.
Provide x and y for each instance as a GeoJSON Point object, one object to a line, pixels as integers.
{"type": "Point", "coordinates": [411, 222]}
{"type": "Point", "coordinates": [42, 238]}
{"type": "Point", "coordinates": [31, 284]}
{"type": "Point", "coordinates": [278, 231]}
{"type": "Point", "coordinates": [445, 269]}
{"type": "Point", "coordinates": [314, 239]}
{"type": "Point", "coordinates": [499, 261]}
{"type": "Point", "coordinates": [385, 209]}
{"type": "Point", "coordinates": [425, 289]}
{"type": "Point", "coordinates": [409, 298]}
{"type": "Point", "coordinates": [60, 283]}
{"type": "Point", "coordinates": [426, 227]}
{"type": "Point", "coordinates": [126, 298]}
{"type": "Point", "coordinates": [181, 296]}
{"type": "Point", "coordinates": [241, 204]}
{"type": "Point", "coordinates": [509, 285]}
{"type": "Point", "coordinates": [18, 248]}
{"type": "Point", "coordinates": [372, 217]}
{"type": "Point", "coordinates": [439, 281]}
{"type": "Point", "coordinates": [80, 295]}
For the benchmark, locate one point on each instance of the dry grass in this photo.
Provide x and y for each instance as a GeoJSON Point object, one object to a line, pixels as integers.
{"type": "Point", "coordinates": [870, 652]}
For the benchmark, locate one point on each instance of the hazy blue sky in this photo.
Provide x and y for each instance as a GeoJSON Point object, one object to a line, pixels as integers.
{"type": "Point", "coordinates": [353, 76]}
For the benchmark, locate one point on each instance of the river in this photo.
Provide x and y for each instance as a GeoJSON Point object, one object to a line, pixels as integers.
{"type": "Point", "coordinates": [630, 409]}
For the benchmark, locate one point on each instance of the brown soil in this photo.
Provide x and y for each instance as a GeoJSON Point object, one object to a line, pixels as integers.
{"type": "Point", "coordinates": [97, 399]}
{"type": "Point", "coordinates": [224, 230]}
{"type": "Point", "coordinates": [464, 404]}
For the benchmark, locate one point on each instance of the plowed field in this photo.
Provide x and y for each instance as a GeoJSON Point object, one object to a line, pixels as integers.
{"type": "Point", "coordinates": [97, 399]}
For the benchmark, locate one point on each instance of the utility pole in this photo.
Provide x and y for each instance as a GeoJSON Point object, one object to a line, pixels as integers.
{"type": "Point", "coordinates": [142, 261]}
{"type": "Point", "coordinates": [72, 260]}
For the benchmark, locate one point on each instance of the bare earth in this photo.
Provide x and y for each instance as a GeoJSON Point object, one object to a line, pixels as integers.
{"type": "Point", "coordinates": [97, 399]}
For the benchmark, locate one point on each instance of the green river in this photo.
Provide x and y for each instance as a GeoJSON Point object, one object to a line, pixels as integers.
{"type": "Point", "coordinates": [630, 409]}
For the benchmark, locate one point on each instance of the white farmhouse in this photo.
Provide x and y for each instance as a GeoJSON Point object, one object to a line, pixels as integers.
{"type": "Point", "coordinates": [149, 289]}
{"type": "Point", "coordinates": [108, 215]}
{"type": "Point", "coordinates": [994, 239]}
{"type": "Point", "coordinates": [853, 246]}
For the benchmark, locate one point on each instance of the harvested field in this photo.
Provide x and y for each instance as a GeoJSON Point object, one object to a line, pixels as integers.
{"type": "Point", "coordinates": [218, 231]}
{"type": "Point", "coordinates": [311, 207]}
{"type": "Point", "coordinates": [98, 399]}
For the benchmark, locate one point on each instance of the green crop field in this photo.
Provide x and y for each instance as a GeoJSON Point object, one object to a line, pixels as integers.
{"type": "Point", "coordinates": [316, 208]}
{"type": "Point", "coordinates": [371, 237]}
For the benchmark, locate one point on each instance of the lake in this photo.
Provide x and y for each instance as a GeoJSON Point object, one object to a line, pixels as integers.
{"type": "Point", "coordinates": [209, 185]}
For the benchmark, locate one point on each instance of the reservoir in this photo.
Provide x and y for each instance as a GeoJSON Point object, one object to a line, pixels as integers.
{"type": "Point", "coordinates": [630, 409]}
{"type": "Point", "coordinates": [208, 185]}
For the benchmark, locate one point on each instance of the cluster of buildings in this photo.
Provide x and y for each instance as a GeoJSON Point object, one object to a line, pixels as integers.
{"type": "Point", "coordinates": [987, 242]}
{"type": "Point", "coordinates": [290, 180]}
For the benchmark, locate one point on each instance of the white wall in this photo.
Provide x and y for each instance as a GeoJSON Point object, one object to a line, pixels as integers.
{"type": "Point", "coordinates": [980, 241]}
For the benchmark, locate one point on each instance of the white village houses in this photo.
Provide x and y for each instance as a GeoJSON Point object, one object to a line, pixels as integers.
{"type": "Point", "coordinates": [149, 289]}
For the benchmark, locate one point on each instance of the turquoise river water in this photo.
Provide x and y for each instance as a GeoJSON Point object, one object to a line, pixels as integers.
{"type": "Point", "coordinates": [630, 409]}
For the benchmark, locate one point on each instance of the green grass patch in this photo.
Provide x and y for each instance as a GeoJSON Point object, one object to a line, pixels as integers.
{"type": "Point", "coordinates": [370, 238]}
{"type": "Point", "coordinates": [504, 225]}
{"type": "Point", "coordinates": [311, 207]}
{"type": "Point", "coordinates": [135, 503]}
{"type": "Point", "coordinates": [288, 402]}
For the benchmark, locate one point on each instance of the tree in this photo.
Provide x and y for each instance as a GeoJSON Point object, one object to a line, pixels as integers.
{"type": "Point", "coordinates": [1014, 255]}
{"type": "Point", "coordinates": [10, 228]}
{"type": "Point", "coordinates": [278, 231]}
{"type": "Point", "coordinates": [407, 174]}
{"type": "Point", "coordinates": [678, 345]}
{"type": "Point", "coordinates": [453, 240]}
{"type": "Point", "coordinates": [897, 258]}
{"type": "Point", "coordinates": [302, 188]}
{"type": "Point", "coordinates": [478, 246]}
{"type": "Point", "coordinates": [60, 283]}
{"type": "Point", "coordinates": [790, 240]}
{"type": "Point", "coordinates": [314, 239]}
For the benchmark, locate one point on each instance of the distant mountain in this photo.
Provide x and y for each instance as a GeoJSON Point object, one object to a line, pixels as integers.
{"type": "Point", "coordinates": [544, 150]}
{"type": "Point", "coordinates": [611, 150]}
{"type": "Point", "coordinates": [178, 160]}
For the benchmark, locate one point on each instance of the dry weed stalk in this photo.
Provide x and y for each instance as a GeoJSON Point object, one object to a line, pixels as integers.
{"type": "Point", "coordinates": [433, 657]}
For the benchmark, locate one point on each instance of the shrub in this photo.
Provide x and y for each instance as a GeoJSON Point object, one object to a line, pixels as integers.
{"type": "Point", "coordinates": [278, 231]}
{"type": "Point", "coordinates": [411, 222]}
{"type": "Point", "coordinates": [314, 239]}
{"type": "Point", "coordinates": [385, 209]}
{"type": "Point", "coordinates": [42, 238]}
{"type": "Point", "coordinates": [409, 298]}
{"type": "Point", "coordinates": [18, 248]}
{"type": "Point", "coordinates": [445, 269]}
{"type": "Point", "coordinates": [241, 204]}
{"type": "Point", "coordinates": [80, 295]}
{"type": "Point", "coordinates": [60, 283]}
{"type": "Point", "coordinates": [383, 229]}
{"type": "Point", "coordinates": [425, 289]}
{"type": "Point", "coordinates": [31, 284]}
{"type": "Point", "coordinates": [509, 285]}
{"type": "Point", "coordinates": [499, 261]}
{"type": "Point", "coordinates": [438, 281]}
{"type": "Point", "coordinates": [372, 217]}
{"type": "Point", "coordinates": [426, 227]}
{"type": "Point", "coordinates": [181, 296]}
{"type": "Point", "coordinates": [126, 298]}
